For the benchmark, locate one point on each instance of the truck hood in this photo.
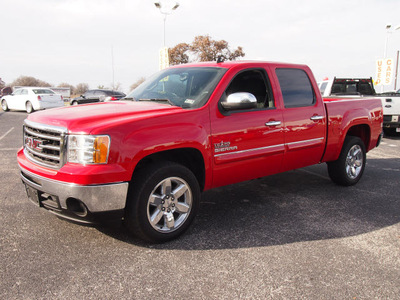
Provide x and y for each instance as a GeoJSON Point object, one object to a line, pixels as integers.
{"type": "Point", "coordinates": [85, 118]}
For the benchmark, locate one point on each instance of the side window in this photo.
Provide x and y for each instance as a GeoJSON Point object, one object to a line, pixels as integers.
{"type": "Point", "coordinates": [100, 93]}
{"type": "Point", "coordinates": [296, 87]}
{"type": "Point", "coordinates": [323, 87]}
{"type": "Point", "coordinates": [17, 92]}
{"type": "Point", "coordinates": [24, 92]}
{"type": "Point", "coordinates": [254, 82]}
{"type": "Point", "coordinates": [89, 94]}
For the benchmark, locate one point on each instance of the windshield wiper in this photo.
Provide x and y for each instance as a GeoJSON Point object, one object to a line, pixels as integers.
{"type": "Point", "coordinates": [159, 100]}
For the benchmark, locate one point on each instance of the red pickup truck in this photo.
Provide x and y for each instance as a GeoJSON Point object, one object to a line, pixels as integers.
{"type": "Point", "coordinates": [188, 129]}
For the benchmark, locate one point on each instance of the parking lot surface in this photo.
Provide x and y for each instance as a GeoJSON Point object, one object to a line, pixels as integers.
{"type": "Point", "coordinates": [294, 235]}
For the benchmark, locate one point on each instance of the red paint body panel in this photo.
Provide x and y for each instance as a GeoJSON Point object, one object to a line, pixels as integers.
{"type": "Point", "coordinates": [235, 147]}
{"type": "Point", "coordinates": [346, 113]}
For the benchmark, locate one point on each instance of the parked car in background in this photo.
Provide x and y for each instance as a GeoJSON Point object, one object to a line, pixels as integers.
{"type": "Point", "coordinates": [31, 99]}
{"type": "Point", "coordinates": [98, 95]}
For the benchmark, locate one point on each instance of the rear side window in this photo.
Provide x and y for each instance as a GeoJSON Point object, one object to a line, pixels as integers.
{"type": "Point", "coordinates": [296, 87]}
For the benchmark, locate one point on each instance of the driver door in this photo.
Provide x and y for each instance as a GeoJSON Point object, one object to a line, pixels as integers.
{"type": "Point", "coordinates": [248, 143]}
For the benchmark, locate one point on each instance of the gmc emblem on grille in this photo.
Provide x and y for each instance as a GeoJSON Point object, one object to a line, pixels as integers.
{"type": "Point", "coordinates": [34, 144]}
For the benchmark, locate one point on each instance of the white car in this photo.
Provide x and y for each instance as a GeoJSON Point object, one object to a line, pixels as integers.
{"type": "Point", "coordinates": [31, 99]}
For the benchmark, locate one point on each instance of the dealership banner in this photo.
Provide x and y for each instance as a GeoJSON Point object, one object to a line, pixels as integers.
{"type": "Point", "coordinates": [384, 71]}
{"type": "Point", "coordinates": [163, 58]}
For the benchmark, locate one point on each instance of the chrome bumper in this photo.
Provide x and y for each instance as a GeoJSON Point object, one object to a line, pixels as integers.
{"type": "Point", "coordinates": [96, 198]}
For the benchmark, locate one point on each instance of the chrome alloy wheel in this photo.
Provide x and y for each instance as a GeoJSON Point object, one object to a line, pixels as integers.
{"type": "Point", "coordinates": [169, 204]}
{"type": "Point", "coordinates": [354, 161]}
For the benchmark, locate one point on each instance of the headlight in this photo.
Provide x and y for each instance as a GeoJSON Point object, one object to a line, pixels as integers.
{"type": "Point", "coordinates": [88, 149]}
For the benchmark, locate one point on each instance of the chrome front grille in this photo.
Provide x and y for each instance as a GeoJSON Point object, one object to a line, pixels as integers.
{"type": "Point", "coordinates": [44, 144]}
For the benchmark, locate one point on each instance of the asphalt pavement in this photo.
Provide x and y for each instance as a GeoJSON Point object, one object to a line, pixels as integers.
{"type": "Point", "coordinates": [294, 235]}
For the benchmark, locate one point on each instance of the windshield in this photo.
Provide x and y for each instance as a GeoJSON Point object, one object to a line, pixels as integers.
{"type": "Point", "coordinates": [183, 87]}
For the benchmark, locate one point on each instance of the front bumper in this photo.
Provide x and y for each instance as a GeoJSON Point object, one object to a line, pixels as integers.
{"type": "Point", "coordinates": [81, 203]}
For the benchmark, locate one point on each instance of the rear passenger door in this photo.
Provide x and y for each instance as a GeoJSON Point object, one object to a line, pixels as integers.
{"type": "Point", "coordinates": [99, 96]}
{"type": "Point", "coordinates": [304, 118]}
{"type": "Point", "coordinates": [22, 98]}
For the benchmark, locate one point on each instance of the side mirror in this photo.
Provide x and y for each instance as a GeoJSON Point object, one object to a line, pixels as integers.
{"type": "Point", "coordinates": [238, 101]}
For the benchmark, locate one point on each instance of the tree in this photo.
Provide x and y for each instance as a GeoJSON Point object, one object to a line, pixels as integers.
{"type": "Point", "coordinates": [2, 83]}
{"type": "Point", "coordinates": [81, 88]}
{"type": "Point", "coordinates": [137, 83]}
{"type": "Point", "coordinates": [29, 81]}
{"type": "Point", "coordinates": [203, 48]}
{"type": "Point", "coordinates": [178, 54]}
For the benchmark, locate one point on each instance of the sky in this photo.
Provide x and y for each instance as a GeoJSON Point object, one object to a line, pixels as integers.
{"type": "Point", "coordinates": [99, 42]}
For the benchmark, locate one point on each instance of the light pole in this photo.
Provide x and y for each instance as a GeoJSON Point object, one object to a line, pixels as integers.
{"type": "Point", "coordinates": [388, 26]}
{"type": "Point", "coordinates": [166, 7]}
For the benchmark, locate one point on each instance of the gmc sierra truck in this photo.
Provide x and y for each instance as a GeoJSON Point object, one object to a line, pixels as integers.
{"type": "Point", "coordinates": [364, 87]}
{"type": "Point", "coordinates": [189, 128]}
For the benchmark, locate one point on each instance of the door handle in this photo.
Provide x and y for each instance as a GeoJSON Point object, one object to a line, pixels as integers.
{"type": "Point", "coordinates": [317, 118]}
{"type": "Point", "coordinates": [273, 123]}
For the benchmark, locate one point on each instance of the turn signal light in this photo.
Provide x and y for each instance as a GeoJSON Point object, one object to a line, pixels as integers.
{"type": "Point", "coordinates": [101, 145]}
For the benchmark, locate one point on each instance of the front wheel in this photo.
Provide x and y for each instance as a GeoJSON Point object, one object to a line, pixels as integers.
{"type": "Point", "coordinates": [349, 167]}
{"type": "Point", "coordinates": [29, 107]}
{"type": "Point", "coordinates": [4, 105]}
{"type": "Point", "coordinates": [162, 202]}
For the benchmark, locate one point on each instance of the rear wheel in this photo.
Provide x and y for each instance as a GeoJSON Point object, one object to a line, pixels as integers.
{"type": "Point", "coordinates": [4, 105]}
{"type": "Point", "coordinates": [162, 202]}
{"type": "Point", "coordinates": [75, 103]}
{"type": "Point", "coordinates": [29, 107]}
{"type": "Point", "coordinates": [349, 167]}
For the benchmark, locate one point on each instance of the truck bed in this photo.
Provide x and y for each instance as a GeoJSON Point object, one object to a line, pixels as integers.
{"type": "Point", "coordinates": [343, 113]}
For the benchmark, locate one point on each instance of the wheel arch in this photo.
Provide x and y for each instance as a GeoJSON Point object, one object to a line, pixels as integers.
{"type": "Point", "coordinates": [188, 157]}
{"type": "Point", "coordinates": [32, 103]}
{"type": "Point", "coordinates": [335, 144]}
{"type": "Point", "coordinates": [363, 131]}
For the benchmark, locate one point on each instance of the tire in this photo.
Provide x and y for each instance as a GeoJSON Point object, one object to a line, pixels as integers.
{"type": "Point", "coordinates": [29, 107]}
{"type": "Point", "coordinates": [4, 105]}
{"type": "Point", "coordinates": [162, 202]}
{"type": "Point", "coordinates": [74, 103]}
{"type": "Point", "coordinates": [389, 131]}
{"type": "Point", "coordinates": [348, 169]}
